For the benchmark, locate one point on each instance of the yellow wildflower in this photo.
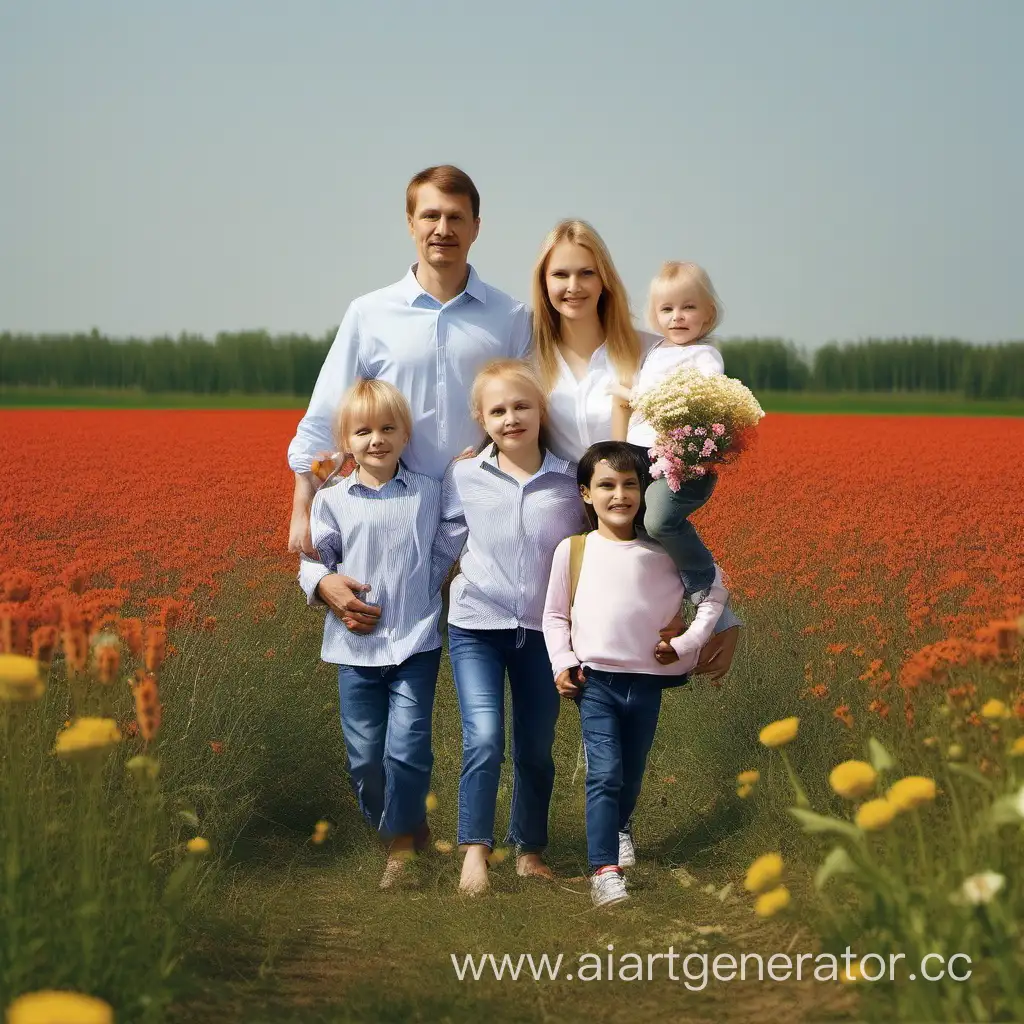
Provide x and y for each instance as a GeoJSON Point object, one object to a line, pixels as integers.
{"type": "Point", "coordinates": [320, 831]}
{"type": "Point", "coordinates": [852, 779]}
{"type": "Point", "coordinates": [431, 803]}
{"type": "Point", "coordinates": [87, 736]}
{"type": "Point", "coordinates": [874, 814]}
{"type": "Point", "coordinates": [53, 1007]}
{"type": "Point", "coordinates": [20, 679]}
{"type": "Point", "coordinates": [498, 855]}
{"type": "Point", "coordinates": [198, 847]}
{"type": "Point", "coordinates": [911, 792]}
{"type": "Point", "coordinates": [779, 733]}
{"type": "Point", "coordinates": [744, 791]}
{"type": "Point", "coordinates": [768, 904]}
{"type": "Point", "coordinates": [955, 752]}
{"type": "Point", "coordinates": [143, 767]}
{"type": "Point", "coordinates": [994, 709]}
{"type": "Point", "coordinates": [1017, 749]}
{"type": "Point", "coordinates": [748, 778]}
{"type": "Point", "coordinates": [764, 873]}
{"type": "Point", "coordinates": [851, 974]}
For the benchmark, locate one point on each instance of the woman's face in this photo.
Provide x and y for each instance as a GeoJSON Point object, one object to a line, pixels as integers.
{"type": "Point", "coordinates": [573, 282]}
{"type": "Point", "coordinates": [511, 414]}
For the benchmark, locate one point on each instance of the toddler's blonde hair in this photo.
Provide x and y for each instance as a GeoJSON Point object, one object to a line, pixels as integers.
{"type": "Point", "coordinates": [371, 398]}
{"type": "Point", "coordinates": [673, 271]}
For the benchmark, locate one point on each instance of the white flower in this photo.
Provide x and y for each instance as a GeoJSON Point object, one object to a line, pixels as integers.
{"type": "Point", "coordinates": [981, 888]}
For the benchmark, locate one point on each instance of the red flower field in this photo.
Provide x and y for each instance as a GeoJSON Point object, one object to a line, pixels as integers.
{"type": "Point", "coordinates": [870, 519]}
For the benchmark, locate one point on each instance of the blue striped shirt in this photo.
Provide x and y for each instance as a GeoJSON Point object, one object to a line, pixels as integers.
{"type": "Point", "coordinates": [510, 529]}
{"type": "Point", "coordinates": [384, 538]}
{"type": "Point", "coordinates": [430, 351]}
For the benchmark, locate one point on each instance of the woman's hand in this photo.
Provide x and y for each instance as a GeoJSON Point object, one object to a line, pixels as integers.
{"type": "Point", "coordinates": [621, 391]}
{"type": "Point", "coordinates": [341, 594]}
{"type": "Point", "coordinates": [564, 681]}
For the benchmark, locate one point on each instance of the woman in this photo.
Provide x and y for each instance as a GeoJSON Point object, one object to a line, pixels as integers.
{"type": "Point", "coordinates": [584, 341]}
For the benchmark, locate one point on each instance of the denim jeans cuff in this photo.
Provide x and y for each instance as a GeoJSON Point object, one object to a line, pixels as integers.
{"type": "Point", "coordinates": [524, 848]}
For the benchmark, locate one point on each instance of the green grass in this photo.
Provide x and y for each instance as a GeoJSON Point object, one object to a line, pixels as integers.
{"type": "Point", "coordinates": [135, 398]}
{"type": "Point", "coordinates": [924, 403]}
{"type": "Point", "coordinates": [906, 403]}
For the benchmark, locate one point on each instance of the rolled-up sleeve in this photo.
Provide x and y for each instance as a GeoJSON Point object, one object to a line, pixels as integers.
{"type": "Point", "coordinates": [315, 433]}
{"type": "Point", "coordinates": [311, 572]}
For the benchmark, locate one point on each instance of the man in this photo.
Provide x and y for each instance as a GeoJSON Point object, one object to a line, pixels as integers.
{"type": "Point", "coordinates": [428, 334]}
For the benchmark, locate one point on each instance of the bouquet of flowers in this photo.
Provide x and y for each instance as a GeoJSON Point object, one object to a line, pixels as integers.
{"type": "Point", "coordinates": [701, 421]}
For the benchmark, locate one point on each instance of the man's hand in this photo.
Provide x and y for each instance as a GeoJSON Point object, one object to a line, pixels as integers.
{"type": "Point", "coordinates": [341, 595]}
{"type": "Point", "coordinates": [565, 684]}
{"type": "Point", "coordinates": [716, 655]}
{"type": "Point", "coordinates": [300, 539]}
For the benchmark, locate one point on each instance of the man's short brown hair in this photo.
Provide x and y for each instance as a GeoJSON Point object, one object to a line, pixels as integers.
{"type": "Point", "coordinates": [447, 179]}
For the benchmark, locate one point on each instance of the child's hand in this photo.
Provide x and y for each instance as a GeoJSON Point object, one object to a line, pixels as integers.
{"type": "Point", "coordinates": [565, 684]}
{"type": "Point", "coordinates": [665, 653]}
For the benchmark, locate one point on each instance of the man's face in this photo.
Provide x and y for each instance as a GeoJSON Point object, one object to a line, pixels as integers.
{"type": "Point", "coordinates": [443, 228]}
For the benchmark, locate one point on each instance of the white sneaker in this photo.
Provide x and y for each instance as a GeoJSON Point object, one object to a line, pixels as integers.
{"type": "Point", "coordinates": [608, 888]}
{"type": "Point", "coordinates": [627, 851]}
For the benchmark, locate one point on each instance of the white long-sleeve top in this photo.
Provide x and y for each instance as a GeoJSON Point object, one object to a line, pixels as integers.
{"type": "Point", "coordinates": [663, 359]}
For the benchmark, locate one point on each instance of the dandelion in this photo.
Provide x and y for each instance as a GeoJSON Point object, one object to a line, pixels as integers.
{"type": "Point", "coordinates": [852, 779]}
{"type": "Point", "coordinates": [911, 792]}
{"type": "Point", "coordinates": [770, 903]}
{"type": "Point", "coordinates": [779, 733]}
{"type": "Point", "coordinates": [431, 803]}
{"type": "Point", "coordinates": [765, 873]}
{"type": "Point", "coordinates": [54, 1007]}
{"type": "Point", "coordinates": [20, 679]}
{"type": "Point", "coordinates": [993, 709]}
{"type": "Point", "coordinates": [498, 855]}
{"type": "Point", "coordinates": [981, 888]}
{"type": "Point", "coordinates": [198, 847]}
{"type": "Point", "coordinates": [320, 831]}
{"type": "Point", "coordinates": [744, 791]}
{"type": "Point", "coordinates": [1017, 747]}
{"type": "Point", "coordinates": [748, 778]}
{"type": "Point", "coordinates": [86, 737]}
{"type": "Point", "coordinates": [143, 767]}
{"type": "Point", "coordinates": [874, 815]}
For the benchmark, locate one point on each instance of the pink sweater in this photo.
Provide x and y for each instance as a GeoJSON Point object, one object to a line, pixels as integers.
{"type": "Point", "coordinates": [627, 591]}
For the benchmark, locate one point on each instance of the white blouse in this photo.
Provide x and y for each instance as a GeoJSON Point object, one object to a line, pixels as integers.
{"type": "Point", "coordinates": [580, 411]}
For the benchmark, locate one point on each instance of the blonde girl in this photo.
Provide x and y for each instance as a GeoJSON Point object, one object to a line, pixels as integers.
{"type": "Point", "coordinates": [504, 511]}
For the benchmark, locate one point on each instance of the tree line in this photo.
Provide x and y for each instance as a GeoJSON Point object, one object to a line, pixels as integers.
{"type": "Point", "coordinates": [254, 362]}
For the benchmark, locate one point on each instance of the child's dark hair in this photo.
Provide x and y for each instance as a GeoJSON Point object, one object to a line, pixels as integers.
{"type": "Point", "coordinates": [621, 457]}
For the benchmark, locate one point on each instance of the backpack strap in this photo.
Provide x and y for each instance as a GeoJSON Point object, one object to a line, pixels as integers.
{"type": "Point", "coordinates": [577, 543]}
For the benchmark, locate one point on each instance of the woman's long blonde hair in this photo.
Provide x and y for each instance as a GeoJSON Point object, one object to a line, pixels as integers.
{"type": "Point", "coordinates": [621, 338]}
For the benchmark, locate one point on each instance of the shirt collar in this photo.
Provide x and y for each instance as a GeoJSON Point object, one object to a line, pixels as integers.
{"type": "Point", "coordinates": [401, 476]}
{"type": "Point", "coordinates": [411, 289]}
{"type": "Point", "coordinates": [551, 464]}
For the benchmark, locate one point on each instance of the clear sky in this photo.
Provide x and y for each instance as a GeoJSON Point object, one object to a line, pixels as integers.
{"type": "Point", "coordinates": [841, 168]}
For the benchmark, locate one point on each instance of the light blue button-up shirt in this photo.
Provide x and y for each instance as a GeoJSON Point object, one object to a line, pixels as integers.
{"type": "Point", "coordinates": [384, 537]}
{"type": "Point", "coordinates": [430, 351]}
{"type": "Point", "coordinates": [510, 529]}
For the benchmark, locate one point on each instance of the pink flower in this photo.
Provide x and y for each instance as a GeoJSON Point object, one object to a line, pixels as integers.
{"type": "Point", "coordinates": [700, 431]}
{"type": "Point", "coordinates": [717, 429]}
{"type": "Point", "coordinates": [687, 430]}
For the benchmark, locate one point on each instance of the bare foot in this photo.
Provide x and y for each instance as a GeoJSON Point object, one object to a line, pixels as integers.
{"type": "Point", "coordinates": [400, 852]}
{"type": "Point", "coordinates": [474, 880]}
{"type": "Point", "coordinates": [530, 865]}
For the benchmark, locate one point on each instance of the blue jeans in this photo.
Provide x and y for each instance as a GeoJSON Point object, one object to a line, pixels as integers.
{"type": "Point", "coordinates": [386, 714]}
{"type": "Point", "coordinates": [666, 521]}
{"type": "Point", "coordinates": [619, 716]}
{"type": "Point", "coordinates": [480, 658]}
